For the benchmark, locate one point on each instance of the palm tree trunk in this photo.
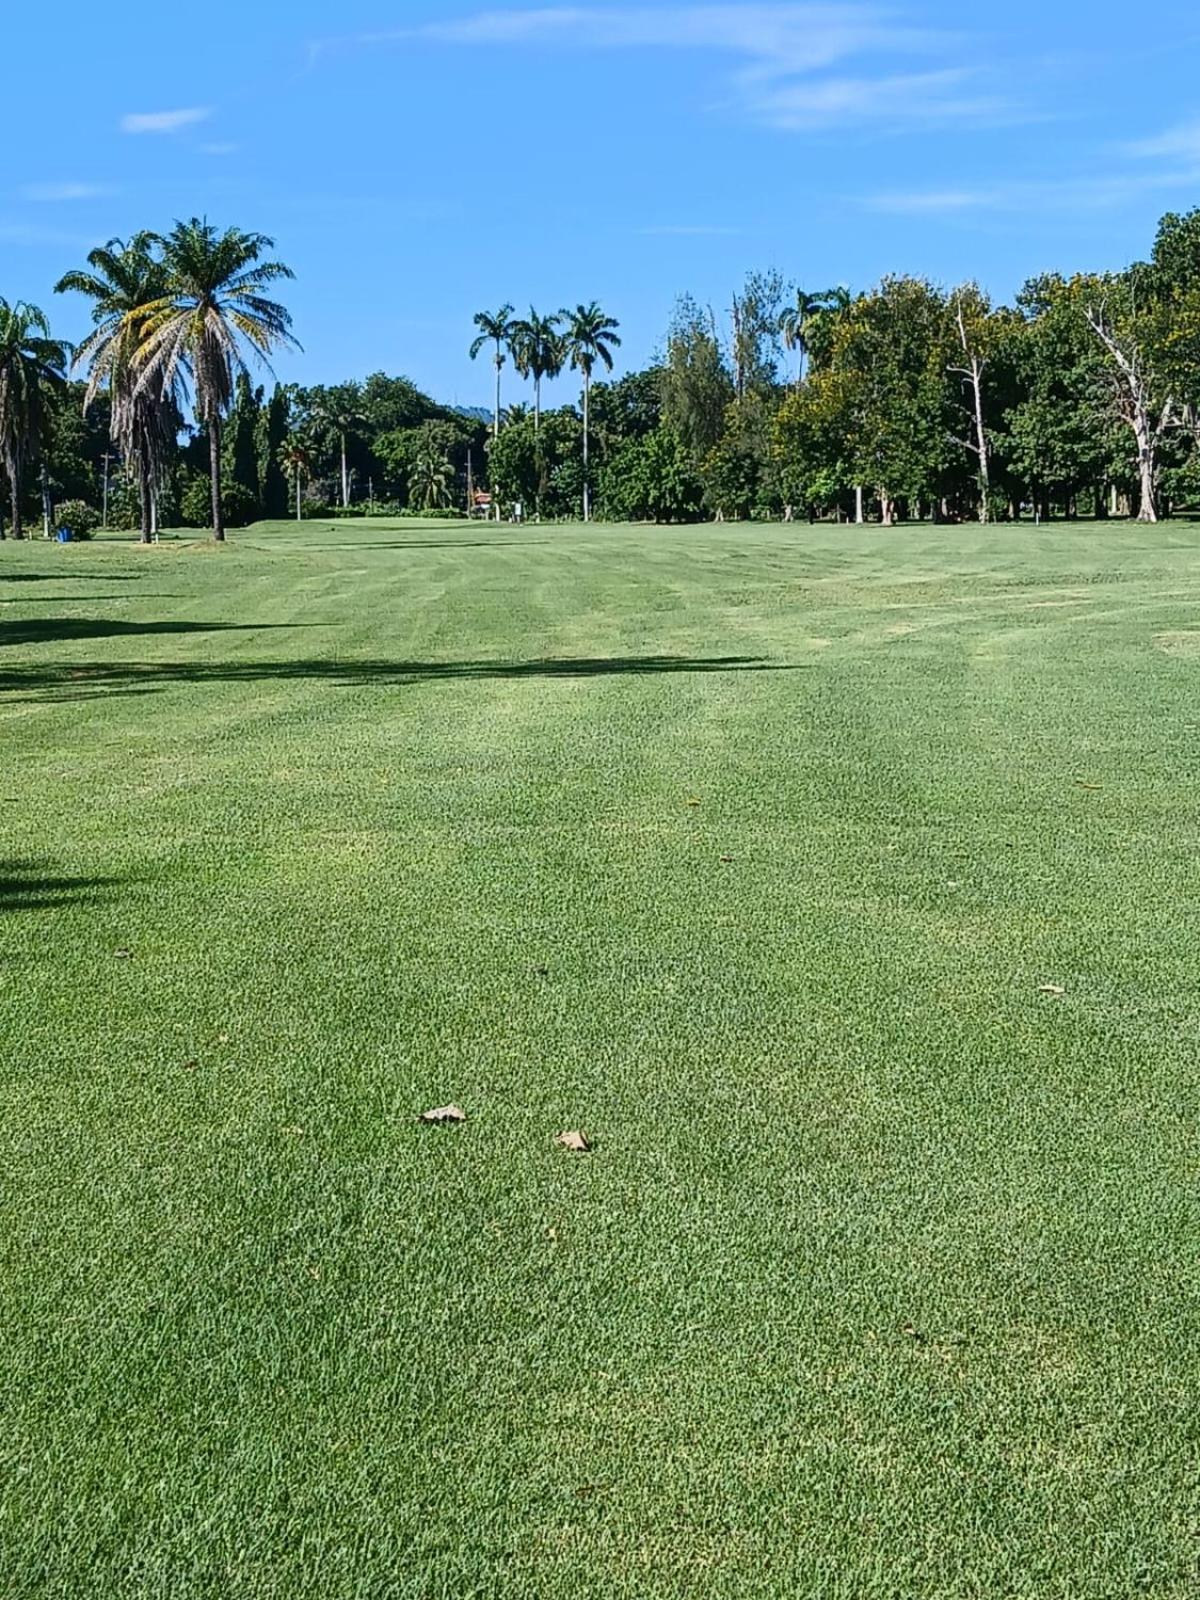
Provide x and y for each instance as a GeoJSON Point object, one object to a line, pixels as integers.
{"type": "Point", "coordinates": [15, 484]}
{"type": "Point", "coordinates": [214, 468]}
{"type": "Point", "coordinates": [143, 500]}
{"type": "Point", "coordinates": [298, 518]}
{"type": "Point", "coordinates": [345, 478]}
{"type": "Point", "coordinates": [587, 493]}
{"type": "Point", "coordinates": [499, 364]}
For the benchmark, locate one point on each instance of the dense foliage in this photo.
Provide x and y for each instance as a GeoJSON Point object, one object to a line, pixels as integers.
{"type": "Point", "coordinates": [907, 400]}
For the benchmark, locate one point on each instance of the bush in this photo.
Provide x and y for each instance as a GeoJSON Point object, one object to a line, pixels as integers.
{"type": "Point", "coordinates": [238, 506]}
{"type": "Point", "coordinates": [78, 517]}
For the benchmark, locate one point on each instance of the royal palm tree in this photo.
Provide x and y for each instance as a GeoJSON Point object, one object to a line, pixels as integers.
{"type": "Point", "coordinates": [32, 368]}
{"type": "Point", "coordinates": [121, 280]}
{"type": "Point", "coordinates": [338, 413]}
{"type": "Point", "coordinates": [213, 308]}
{"type": "Point", "coordinates": [539, 352]}
{"type": "Point", "coordinates": [494, 328]}
{"type": "Point", "coordinates": [295, 459]}
{"type": "Point", "coordinates": [590, 337]}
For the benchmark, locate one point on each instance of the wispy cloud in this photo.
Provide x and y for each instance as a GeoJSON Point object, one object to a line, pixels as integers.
{"type": "Point", "coordinates": [1072, 194]}
{"type": "Point", "coordinates": [1182, 142]}
{"type": "Point", "coordinates": [164, 121]}
{"type": "Point", "coordinates": [221, 148]}
{"type": "Point", "coordinates": [52, 193]}
{"type": "Point", "coordinates": [32, 233]}
{"type": "Point", "coordinates": [782, 56]}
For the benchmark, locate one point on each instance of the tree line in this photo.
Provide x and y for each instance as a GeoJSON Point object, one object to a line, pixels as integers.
{"type": "Point", "coordinates": [904, 401]}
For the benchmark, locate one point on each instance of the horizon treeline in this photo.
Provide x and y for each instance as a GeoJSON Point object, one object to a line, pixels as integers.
{"type": "Point", "coordinates": [907, 400]}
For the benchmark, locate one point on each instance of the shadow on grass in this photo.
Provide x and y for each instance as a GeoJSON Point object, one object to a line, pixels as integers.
{"type": "Point", "coordinates": [72, 577]}
{"type": "Point", "coordinates": [64, 681]}
{"type": "Point", "coordinates": [51, 630]}
{"type": "Point", "coordinates": [24, 886]}
{"type": "Point", "coordinates": [432, 544]}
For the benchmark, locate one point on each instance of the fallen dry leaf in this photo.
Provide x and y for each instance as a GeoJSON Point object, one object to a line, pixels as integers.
{"type": "Point", "coordinates": [728, 860]}
{"type": "Point", "coordinates": [1052, 988]}
{"type": "Point", "coordinates": [443, 1114]}
{"type": "Point", "coordinates": [694, 802]}
{"type": "Point", "coordinates": [579, 1142]}
{"type": "Point", "coordinates": [123, 955]}
{"type": "Point", "coordinates": [1094, 787]}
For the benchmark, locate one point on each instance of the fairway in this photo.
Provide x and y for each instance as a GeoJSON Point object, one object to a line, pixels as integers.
{"type": "Point", "coordinates": [840, 884]}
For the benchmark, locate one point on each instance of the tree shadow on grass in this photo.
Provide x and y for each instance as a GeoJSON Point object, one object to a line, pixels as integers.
{"type": "Point", "coordinates": [93, 576]}
{"type": "Point", "coordinates": [428, 544]}
{"type": "Point", "coordinates": [52, 630]}
{"type": "Point", "coordinates": [62, 681]}
{"type": "Point", "coordinates": [25, 886]}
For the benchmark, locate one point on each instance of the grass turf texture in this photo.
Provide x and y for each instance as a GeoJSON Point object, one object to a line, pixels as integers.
{"type": "Point", "coordinates": [882, 1279]}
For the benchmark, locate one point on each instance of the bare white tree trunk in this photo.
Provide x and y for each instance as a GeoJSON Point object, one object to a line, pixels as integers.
{"type": "Point", "coordinates": [972, 374]}
{"type": "Point", "coordinates": [858, 504]}
{"type": "Point", "coordinates": [1135, 406]}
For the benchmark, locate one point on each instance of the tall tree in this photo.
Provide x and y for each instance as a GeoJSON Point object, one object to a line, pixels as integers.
{"type": "Point", "coordinates": [122, 279]}
{"type": "Point", "coordinates": [696, 386]}
{"type": "Point", "coordinates": [495, 328]}
{"type": "Point", "coordinates": [591, 337]}
{"type": "Point", "coordinates": [338, 413]}
{"type": "Point", "coordinates": [756, 332]}
{"type": "Point", "coordinates": [538, 353]}
{"type": "Point", "coordinates": [971, 318]}
{"type": "Point", "coordinates": [796, 322]}
{"type": "Point", "coordinates": [294, 456]}
{"type": "Point", "coordinates": [215, 307]}
{"type": "Point", "coordinates": [32, 368]}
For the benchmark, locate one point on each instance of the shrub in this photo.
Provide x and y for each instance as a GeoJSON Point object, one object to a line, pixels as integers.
{"type": "Point", "coordinates": [238, 506]}
{"type": "Point", "coordinates": [78, 517]}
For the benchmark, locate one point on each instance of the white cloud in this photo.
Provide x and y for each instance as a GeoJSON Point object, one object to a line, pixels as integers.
{"type": "Point", "coordinates": [164, 121]}
{"type": "Point", "coordinates": [219, 149]}
{"type": "Point", "coordinates": [781, 54]}
{"type": "Point", "coordinates": [1181, 142]}
{"type": "Point", "coordinates": [1078, 194]}
{"type": "Point", "coordinates": [50, 193]}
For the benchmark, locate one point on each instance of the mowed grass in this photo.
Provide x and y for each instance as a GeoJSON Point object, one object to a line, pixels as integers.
{"type": "Point", "coordinates": [882, 1279]}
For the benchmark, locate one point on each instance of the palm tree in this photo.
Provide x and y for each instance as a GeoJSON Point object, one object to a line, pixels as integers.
{"type": "Point", "coordinates": [295, 458]}
{"type": "Point", "coordinates": [214, 306]}
{"type": "Point", "coordinates": [32, 367]}
{"type": "Point", "coordinates": [590, 337]}
{"type": "Point", "coordinates": [121, 280]}
{"type": "Point", "coordinates": [539, 351]}
{"type": "Point", "coordinates": [795, 322]}
{"type": "Point", "coordinates": [431, 477]}
{"type": "Point", "coordinates": [339, 412]}
{"type": "Point", "coordinates": [494, 329]}
{"type": "Point", "coordinates": [821, 323]}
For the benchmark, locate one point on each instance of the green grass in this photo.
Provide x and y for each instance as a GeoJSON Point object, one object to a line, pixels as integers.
{"type": "Point", "coordinates": [882, 1281]}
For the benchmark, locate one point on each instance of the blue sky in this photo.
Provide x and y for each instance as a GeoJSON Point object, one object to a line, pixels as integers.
{"type": "Point", "coordinates": [416, 161]}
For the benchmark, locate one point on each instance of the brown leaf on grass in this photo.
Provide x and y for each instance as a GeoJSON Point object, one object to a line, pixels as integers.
{"type": "Point", "coordinates": [1095, 788]}
{"type": "Point", "coordinates": [576, 1141]}
{"type": "Point", "coordinates": [443, 1114]}
{"type": "Point", "coordinates": [728, 860]}
{"type": "Point", "coordinates": [123, 955]}
{"type": "Point", "coordinates": [1055, 989]}
{"type": "Point", "coordinates": [694, 802]}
